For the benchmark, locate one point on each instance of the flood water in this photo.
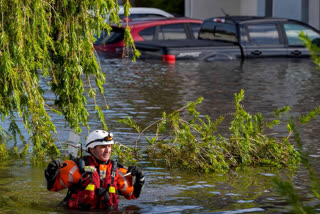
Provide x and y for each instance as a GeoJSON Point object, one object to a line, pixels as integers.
{"type": "Point", "coordinates": [143, 90]}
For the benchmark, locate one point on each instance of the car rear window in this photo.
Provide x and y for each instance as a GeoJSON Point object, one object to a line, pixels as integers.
{"type": "Point", "coordinates": [115, 36]}
{"type": "Point", "coordinates": [195, 27]}
{"type": "Point", "coordinates": [218, 31]}
{"type": "Point", "coordinates": [147, 34]}
{"type": "Point", "coordinates": [293, 31]}
{"type": "Point", "coordinates": [172, 32]}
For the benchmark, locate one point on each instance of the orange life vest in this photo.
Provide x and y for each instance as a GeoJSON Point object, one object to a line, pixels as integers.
{"type": "Point", "coordinates": [96, 186]}
{"type": "Point", "coordinates": [68, 175]}
{"type": "Point", "coordinates": [125, 184]}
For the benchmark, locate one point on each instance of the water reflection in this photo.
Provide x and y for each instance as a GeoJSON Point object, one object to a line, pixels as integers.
{"type": "Point", "coordinates": [143, 90]}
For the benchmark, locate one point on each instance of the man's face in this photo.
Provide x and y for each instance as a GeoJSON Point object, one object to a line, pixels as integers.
{"type": "Point", "coordinates": [102, 152]}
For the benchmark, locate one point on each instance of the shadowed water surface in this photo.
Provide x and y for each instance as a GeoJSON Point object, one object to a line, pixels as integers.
{"type": "Point", "coordinates": [142, 91]}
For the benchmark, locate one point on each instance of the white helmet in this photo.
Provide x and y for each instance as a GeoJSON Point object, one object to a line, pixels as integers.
{"type": "Point", "coordinates": [99, 137]}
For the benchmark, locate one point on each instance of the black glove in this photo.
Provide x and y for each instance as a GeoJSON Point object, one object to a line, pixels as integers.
{"type": "Point", "coordinates": [51, 173]}
{"type": "Point", "coordinates": [139, 181]}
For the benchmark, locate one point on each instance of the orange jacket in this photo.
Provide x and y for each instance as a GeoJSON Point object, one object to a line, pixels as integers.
{"type": "Point", "coordinates": [89, 185]}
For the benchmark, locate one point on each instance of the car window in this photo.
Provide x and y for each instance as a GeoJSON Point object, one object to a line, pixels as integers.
{"type": "Point", "coordinates": [218, 31]}
{"type": "Point", "coordinates": [148, 33]}
{"type": "Point", "coordinates": [116, 35]}
{"type": "Point", "coordinates": [195, 27]}
{"type": "Point", "coordinates": [172, 31]}
{"type": "Point", "coordinates": [263, 34]}
{"type": "Point", "coordinates": [293, 31]}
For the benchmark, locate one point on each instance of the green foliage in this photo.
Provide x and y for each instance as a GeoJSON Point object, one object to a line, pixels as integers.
{"type": "Point", "coordinates": [124, 154]}
{"type": "Point", "coordinates": [21, 154]}
{"type": "Point", "coordinates": [128, 40]}
{"type": "Point", "coordinates": [194, 143]}
{"type": "Point", "coordinates": [51, 41]}
{"type": "Point", "coordinates": [286, 188]}
{"type": "Point", "coordinates": [311, 115]}
{"type": "Point", "coordinates": [3, 152]}
{"type": "Point", "coordinates": [248, 144]}
{"type": "Point", "coordinates": [7, 154]}
{"type": "Point", "coordinates": [312, 47]}
{"type": "Point", "coordinates": [130, 123]}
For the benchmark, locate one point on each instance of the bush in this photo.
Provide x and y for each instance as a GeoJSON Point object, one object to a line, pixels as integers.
{"type": "Point", "coordinates": [195, 144]}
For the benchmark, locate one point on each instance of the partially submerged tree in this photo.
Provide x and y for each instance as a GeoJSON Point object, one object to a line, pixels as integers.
{"type": "Point", "coordinates": [186, 131]}
{"type": "Point", "coordinates": [51, 40]}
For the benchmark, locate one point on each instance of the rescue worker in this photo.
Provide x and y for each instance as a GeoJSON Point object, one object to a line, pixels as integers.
{"type": "Point", "coordinates": [95, 181]}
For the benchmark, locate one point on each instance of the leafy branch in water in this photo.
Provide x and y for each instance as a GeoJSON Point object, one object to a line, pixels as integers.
{"type": "Point", "coordinates": [128, 40]}
{"type": "Point", "coordinates": [313, 46]}
{"type": "Point", "coordinates": [194, 143]}
{"type": "Point", "coordinates": [286, 188]}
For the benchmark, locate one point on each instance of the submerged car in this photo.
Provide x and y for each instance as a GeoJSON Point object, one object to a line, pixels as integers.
{"type": "Point", "coordinates": [148, 30]}
{"type": "Point", "coordinates": [236, 38]}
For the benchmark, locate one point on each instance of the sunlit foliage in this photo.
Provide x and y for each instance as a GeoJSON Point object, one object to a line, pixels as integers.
{"type": "Point", "coordinates": [286, 187]}
{"type": "Point", "coordinates": [193, 142]}
{"type": "Point", "coordinates": [45, 43]}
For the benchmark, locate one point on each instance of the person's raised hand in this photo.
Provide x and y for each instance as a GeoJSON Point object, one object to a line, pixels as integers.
{"type": "Point", "coordinates": [51, 172]}
{"type": "Point", "coordinates": [139, 183]}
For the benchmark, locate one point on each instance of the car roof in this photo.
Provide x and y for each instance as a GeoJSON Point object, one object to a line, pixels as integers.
{"type": "Point", "coordinates": [247, 19]}
{"type": "Point", "coordinates": [146, 10]}
{"type": "Point", "coordinates": [140, 22]}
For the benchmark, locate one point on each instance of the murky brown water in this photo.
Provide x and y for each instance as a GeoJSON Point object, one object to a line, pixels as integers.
{"type": "Point", "coordinates": [143, 90]}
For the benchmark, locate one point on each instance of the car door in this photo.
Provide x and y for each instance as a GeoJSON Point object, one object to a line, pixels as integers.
{"type": "Point", "coordinates": [264, 40]}
{"type": "Point", "coordinates": [292, 30]}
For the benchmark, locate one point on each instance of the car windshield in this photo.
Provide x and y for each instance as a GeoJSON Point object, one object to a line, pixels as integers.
{"type": "Point", "coordinates": [116, 35]}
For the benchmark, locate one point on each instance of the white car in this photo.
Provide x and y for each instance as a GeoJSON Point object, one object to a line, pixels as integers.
{"type": "Point", "coordinates": [137, 12]}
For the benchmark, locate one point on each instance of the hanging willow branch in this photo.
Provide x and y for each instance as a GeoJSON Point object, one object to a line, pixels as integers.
{"type": "Point", "coordinates": [51, 40]}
